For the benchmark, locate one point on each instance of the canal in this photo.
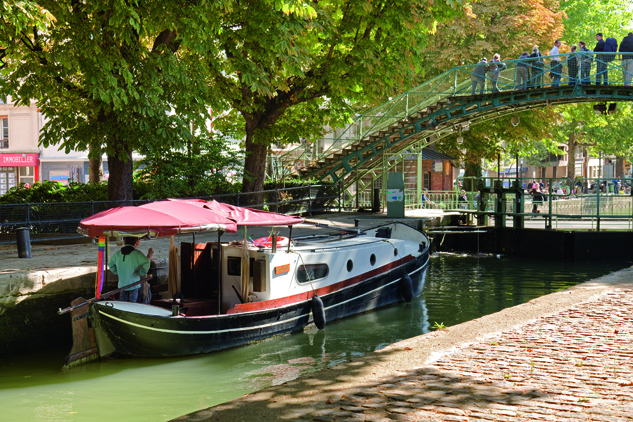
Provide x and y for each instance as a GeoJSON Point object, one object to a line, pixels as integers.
{"type": "Point", "coordinates": [33, 388]}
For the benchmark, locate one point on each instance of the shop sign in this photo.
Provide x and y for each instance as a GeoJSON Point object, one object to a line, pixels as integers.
{"type": "Point", "coordinates": [60, 176]}
{"type": "Point", "coordinates": [19, 160]}
{"type": "Point", "coordinates": [437, 166]}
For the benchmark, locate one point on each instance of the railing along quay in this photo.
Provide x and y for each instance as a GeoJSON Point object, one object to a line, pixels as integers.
{"type": "Point", "coordinates": [590, 204]}
{"type": "Point", "coordinates": [59, 220]}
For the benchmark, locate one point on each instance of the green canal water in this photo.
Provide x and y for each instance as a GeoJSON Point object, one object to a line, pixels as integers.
{"type": "Point", "coordinates": [33, 388]}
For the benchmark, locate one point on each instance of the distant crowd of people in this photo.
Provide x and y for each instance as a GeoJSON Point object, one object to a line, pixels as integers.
{"type": "Point", "coordinates": [530, 73]}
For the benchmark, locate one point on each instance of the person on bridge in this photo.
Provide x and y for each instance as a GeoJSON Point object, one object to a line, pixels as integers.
{"type": "Point", "coordinates": [573, 64]}
{"type": "Point", "coordinates": [626, 46]}
{"type": "Point", "coordinates": [538, 67]}
{"type": "Point", "coordinates": [478, 77]}
{"type": "Point", "coordinates": [555, 66]}
{"type": "Point", "coordinates": [494, 70]}
{"type": "Point", "coordinates": [522, 72]}
{"type": "Point", "coordinates": [601, 65]}
{"type": "Point", "coordinates": [585, 63]}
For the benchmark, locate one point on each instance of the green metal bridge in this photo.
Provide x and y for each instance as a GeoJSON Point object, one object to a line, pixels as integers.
{"type": "Point", "coordinates": [380, 139]}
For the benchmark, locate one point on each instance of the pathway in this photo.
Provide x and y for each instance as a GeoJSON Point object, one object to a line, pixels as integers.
{"type": "Point", "coordinates": [567, 356]}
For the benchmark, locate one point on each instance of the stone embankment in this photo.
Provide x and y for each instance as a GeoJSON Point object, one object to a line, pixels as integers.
{"type": "Point", "coordinates": [567, 356]}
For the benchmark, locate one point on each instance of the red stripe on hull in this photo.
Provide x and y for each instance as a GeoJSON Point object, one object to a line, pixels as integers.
{"type": "Point", "coordinates": [274, 303]}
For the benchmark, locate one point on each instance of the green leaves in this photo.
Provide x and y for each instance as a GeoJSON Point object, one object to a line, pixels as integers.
{"type": "Point", "coordinates": [111, 73]}
{"type": "Point", "coordinates": [206, 166]}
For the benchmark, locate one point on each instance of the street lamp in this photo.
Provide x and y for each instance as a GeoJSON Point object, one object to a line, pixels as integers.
{"type": "Point", "coordinates": [515, 120]}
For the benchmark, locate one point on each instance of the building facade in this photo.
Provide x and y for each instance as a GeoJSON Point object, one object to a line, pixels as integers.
{"type": "Point", "coordinates": [19, 150]}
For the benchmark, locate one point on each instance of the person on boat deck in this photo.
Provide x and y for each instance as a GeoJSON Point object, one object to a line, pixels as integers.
{"type": "Point", "coordinates": [130, 264]}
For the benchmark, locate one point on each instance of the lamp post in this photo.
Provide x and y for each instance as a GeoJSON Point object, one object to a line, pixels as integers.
{"type": "Point", "coordinates": [518, 198]}
{"type": "Point", "coordinates": [517, 166]}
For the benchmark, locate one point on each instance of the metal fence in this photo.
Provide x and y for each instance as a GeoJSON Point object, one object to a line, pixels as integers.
{"type": "Point", "coordinates": [54, 221]}
{"type": "Point", "coordinates": [590, 204]}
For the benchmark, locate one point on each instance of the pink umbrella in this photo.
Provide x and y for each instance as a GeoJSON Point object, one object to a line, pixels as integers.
{"type": "Point", "coordinates": [162, 218]}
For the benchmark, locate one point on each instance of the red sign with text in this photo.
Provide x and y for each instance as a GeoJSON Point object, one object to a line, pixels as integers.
{"type": "Point", "coordinates": [20, 160]}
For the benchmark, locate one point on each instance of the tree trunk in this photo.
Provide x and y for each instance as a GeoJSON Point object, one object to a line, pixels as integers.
{"type": "Point", "coordinates": [619, 167]}
{"type": "Point", "coordinates": [254, 165]}
{"type": "Point", "coordinates": [94, 163]}
{"type": "Point", "coordinates": [121, 171]}
{"type": "Point", "coordinates": [572, 141]}
{"type": "Point", "coordinates": [472, 169]}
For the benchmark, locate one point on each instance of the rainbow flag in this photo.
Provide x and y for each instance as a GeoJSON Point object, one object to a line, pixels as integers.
{"type": "Point", "coordinates": [101, 264]}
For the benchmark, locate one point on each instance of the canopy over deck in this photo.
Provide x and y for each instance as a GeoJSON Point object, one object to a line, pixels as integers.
{"type": "Point", "coordinates": [156, 219]}
{"type": "Point", "coordinates": [245, 216]}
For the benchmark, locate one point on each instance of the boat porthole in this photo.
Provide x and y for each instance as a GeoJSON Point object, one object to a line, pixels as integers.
{"type": "Point", "coordinates": [350, 265]}
{"type": "Point", "coordinates": [372, 259]}
{"type": "Point", "coordinates": [395, 251]}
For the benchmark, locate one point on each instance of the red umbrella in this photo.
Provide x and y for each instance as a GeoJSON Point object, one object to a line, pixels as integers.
{"type": "Point", "coordinates": [245, 216]}
{"type": "Point", "coordinates": [162, 218]}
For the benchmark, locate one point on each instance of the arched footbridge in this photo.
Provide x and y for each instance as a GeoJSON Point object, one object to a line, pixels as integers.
{"type": "Point", "coordinates": [444, 105]}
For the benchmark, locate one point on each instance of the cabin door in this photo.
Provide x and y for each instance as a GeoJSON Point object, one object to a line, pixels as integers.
{"type": "Point", "coordinates": [199, 270]}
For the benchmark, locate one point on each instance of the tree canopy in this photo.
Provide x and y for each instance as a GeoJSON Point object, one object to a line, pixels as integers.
{"type": "Point", "coordinates": [585, 18]}
{"type": "Point", "coordinates": [286, 73]}
{"type": "Point", "coordinates": [116, 76]}
{"type": "Point", "coordinates": [510, 28]}
{"type": "Point", "coordinates": [491, 26]}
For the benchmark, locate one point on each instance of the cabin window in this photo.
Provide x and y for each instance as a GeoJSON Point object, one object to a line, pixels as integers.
{"type": "Point", "coordinates": [372, 260]}
{"type": "Point", "coordinates": [312, 272]}
{"type": "Point", "coordinates": [350, 265]}
{"type": "Point", "coordinates": [234, 265]}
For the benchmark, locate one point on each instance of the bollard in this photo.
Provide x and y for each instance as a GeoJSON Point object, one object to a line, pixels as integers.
{"type": "Point", "coordinates": [23, 239]}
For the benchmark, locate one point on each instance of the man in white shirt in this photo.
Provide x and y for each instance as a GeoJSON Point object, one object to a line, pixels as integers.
{"type": "Point", "coordinates": [556, 68]}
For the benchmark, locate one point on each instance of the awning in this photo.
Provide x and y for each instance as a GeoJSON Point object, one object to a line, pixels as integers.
{"type": "Point", "coordinates": [156, 219]}
{"type": "Point", "coordinates": [245, 216]}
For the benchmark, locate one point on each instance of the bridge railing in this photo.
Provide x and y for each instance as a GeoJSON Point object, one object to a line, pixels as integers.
{"type": "Point", "coordinates": [580, 68]}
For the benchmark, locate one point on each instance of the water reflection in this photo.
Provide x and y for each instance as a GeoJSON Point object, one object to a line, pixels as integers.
{"type": "Point", "coordinates": [458, 289]}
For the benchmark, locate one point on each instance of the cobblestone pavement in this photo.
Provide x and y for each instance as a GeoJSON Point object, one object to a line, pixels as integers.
{"type": "Point", "coordinates": [576, 365]}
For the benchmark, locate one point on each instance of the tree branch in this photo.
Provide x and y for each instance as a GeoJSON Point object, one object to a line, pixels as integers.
{"type": "Point", "coordinates": [166, 38]}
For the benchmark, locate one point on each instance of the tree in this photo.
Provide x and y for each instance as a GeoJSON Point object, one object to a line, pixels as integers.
{"type": "Point", "coordinates": [498, 137]}
{"type": "Point", "coordinates": [610, 134]}
{"type": "Point", "coordinates": [112, 77]}
{"type": "Point", "coordinates": [202, 169]}
{"type": "Point", "coordinates": [585, 18]}
{"type": "Point", "coordinates": [491, 26]}
{"type": "Point", "coordinates": [288, 69]}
